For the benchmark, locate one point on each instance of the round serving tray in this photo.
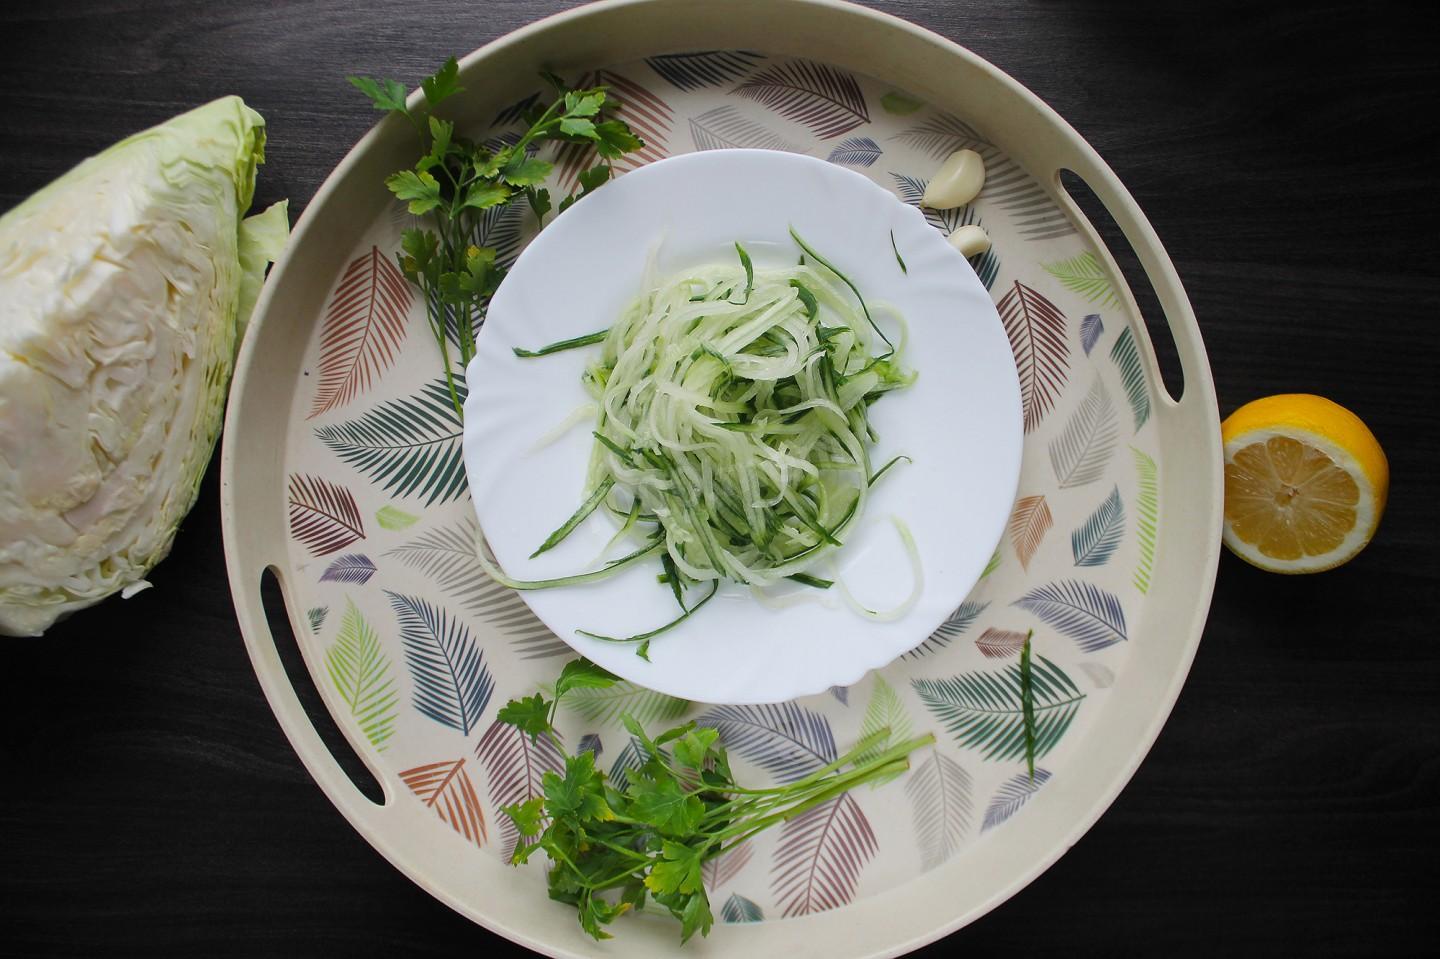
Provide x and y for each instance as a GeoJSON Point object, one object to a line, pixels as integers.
{"type": "Point", "coordinates": [341, 472]}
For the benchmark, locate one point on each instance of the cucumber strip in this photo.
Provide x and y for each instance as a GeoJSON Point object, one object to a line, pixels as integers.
{"type": "Point", "coordinates": [881, 471]}
{"type": "Point", "coordinates": [589, 339]}
{"type": "Point", "coordinates": [653, 546]}
{"type": "Point", "coordinates": [806, 579]}
{"type": "Point", "coordinates": [577, 517]}
{"type": "Point", "coordinates": [645, 637]}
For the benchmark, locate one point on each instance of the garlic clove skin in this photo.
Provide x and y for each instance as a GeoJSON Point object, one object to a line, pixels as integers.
{"type": "Point", "coordinates": [957, 182]}
{"type": "Point", "coordinates": [970, 240]}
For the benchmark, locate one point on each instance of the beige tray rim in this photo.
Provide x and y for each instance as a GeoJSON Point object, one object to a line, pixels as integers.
{"type": "Point", "coordinates": [956, 893]}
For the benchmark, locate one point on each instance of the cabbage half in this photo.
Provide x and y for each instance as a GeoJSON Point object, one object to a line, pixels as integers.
{"type": "Point", "coordinates": [124, 286]}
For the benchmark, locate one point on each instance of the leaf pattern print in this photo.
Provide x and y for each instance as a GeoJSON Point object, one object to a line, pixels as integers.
{"type": "Point", "coordinates": [445, 788]}
{"type": "Point", "coordinates": [1084, 612]}
{"type": "Point", "coordinates": [1036, 329]}
{"type": "Point", "coordinates": [1090, 329]}
{"type": "Point", "coordinates": [352, 568]}
{"type": "Point", "coordinates": [885, 712]}
{"type": "Point", "coordinates": [1094, 541]}
{"type": "Point", "coordinates": [856, 151]}
{"type": "Point", "coordinates": [323, 515]}
{"type": "Point", "coordinates": [1080, 454]}
{"type": "Point", "coordinates": [940, 793]}
{"type": "Point", "coordinates": [363, 329]}
{"type": "Point", "coordinates": [630, 758]}
{"type": "Point", "coordinates": [395, 519]}
{"type": "Point", "coordinates": [1000, 643]}
{"type": "Point", "coordinates": [941, 135]}
{"type": "Point", "coordinates": [447, 555]}
{"type": "Point", "coordinates": [514, 764]}
{"type": "Point", "coordinates": [1147, 512]}
{"type": "Point", "coordinates": [500, 229]}
{"type": "Point", "coordinates": [410, 446]}
{"type": "Point", "coordinates": [1084, 275]}
{"type": "Point", "coordinates": [704, 68]}
{"type": "Point", "coordinates": [820, 856]}
{"type": "Point", "coordinates": [1012, 795]}
{"type": "Point", "coordinates": [515, 112]}
{"type": "Point", "coordinates": [911, 189]}
{"type": "Point", "coordinates": [360, 672]}
{"type": "Point", "coordinates": [1132, 375]}
{"type": "Point", "coordinates": [987, 264]}
{"type": "Point", "coordinates": [983, 711]}
{"type": "Point", "coordinates": [1101, 675]}
{"type": "Point", "coordinates": [1006, 184]}
{"type": "Point", "coordinates": [452, 683]}
{"type": "Point", "coordinates": [719, 871]}
{"type": "Point", "coordinates": [991, 566]}
{"type": "Point", "coordinates": [841, 694]}
{"type": "Point", "coordinates": [725, 127]}
{"type": "Point", "coordinates": [786, 740]}
{"type": "Point", "coordinates": [316, 615]}
{"type": "Point", "coordinates": [956, 623]}
{"type": "Point", "coordinates": [605, 706]}
{"type": "Point", "coordinates": [739, 909]}
{"type": "Point", "coordinates": [1028, 525]}
{"type": "Point", "coordinates": [590, 743]}
{"type": "Point", "coordinates": [824, 100]}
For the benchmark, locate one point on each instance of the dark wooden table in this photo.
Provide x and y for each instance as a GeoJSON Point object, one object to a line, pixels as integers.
{"type": "Point", "coordinates": [1290, 806]}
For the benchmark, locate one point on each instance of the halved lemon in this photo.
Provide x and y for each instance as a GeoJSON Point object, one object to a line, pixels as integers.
{"type": "Point", "coordinates": [1305, 483]}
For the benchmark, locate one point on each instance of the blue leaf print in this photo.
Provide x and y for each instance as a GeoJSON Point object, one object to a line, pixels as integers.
{"type": "Point", "coordinates": [1013, 794]}
{"type": "Point", "coordinates": [452, 683]}
{"type": "Point", "coordinates": [911, 189]}
{"type": "Point", "coordinates": [590, 742]}
{"type": "Point", "coordinates": [1132, 374]}
{"type": "Point", "coordinates": [1094, 541]}
{"type": "Point", "coordinates": [316, 615]}
{"type": "Point", "coordinates": [630, 758]}
{"type": "Point", "coordinates": [351, 568]}
{"type": "Point", "coordinates": [784, 739]}
{"type": "Point", "coordinates": [1087, 614]}
{"type": "Point", "coordinates": [704, 68]}
{"type": "Point", "coordinates": [956, 623]}
{"type": "Point", "coordinates": [739, 909]}
{"type": "Point", "coordinates": [856, 151]}
{"type": "Point", "coordinates": [1090, 329]}
{"type": "Point", "coordinates": [841, 693]}
{"type": "Point", "coordinates": [515, 112]}
{"type": "Point", "coordinates": [725, 128]}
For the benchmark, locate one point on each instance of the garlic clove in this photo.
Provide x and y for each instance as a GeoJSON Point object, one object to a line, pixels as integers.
{"type": "Point", "coordinates": [957, 182]}
{"type": "Point", "coordinates": [970, 240]}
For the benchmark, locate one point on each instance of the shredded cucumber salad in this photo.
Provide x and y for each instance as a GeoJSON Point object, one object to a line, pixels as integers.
{"type": "Point", "coordinates": [733, 430]}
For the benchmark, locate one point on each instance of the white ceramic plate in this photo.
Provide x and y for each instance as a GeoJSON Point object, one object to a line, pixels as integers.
{"type": "Point", "coordinates": [960, 422]}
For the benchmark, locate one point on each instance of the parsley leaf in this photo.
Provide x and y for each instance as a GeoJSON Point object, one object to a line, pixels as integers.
{"type": "Point", "coordinates": [526, 171]}
{"type": "Point", "coordinates": [421, 189]}
{"type": "Point", "coordinates": [443, 84]}
{"type": "Point", "coordinates": [583, 674]}
{"type": "Point", "coordinates": [529, 715]}
{"type": "Point", "coordinates": [385, 95]}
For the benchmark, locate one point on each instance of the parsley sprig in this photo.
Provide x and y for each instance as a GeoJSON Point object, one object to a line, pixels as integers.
{"type": "Point", "coordinates": [610, 849]}
{"type": "Point", "coordinates": [456, 180]}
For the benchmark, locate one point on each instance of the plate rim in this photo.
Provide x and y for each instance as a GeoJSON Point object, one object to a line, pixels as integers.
{"type": "Point", "coordinates": [1005, 460]}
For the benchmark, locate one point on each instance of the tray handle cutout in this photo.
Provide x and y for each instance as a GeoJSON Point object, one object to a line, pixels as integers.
{"type": "Point", "coordinates": [1152, 276]}
{"type": "Point", "coordinates": [354, 783]}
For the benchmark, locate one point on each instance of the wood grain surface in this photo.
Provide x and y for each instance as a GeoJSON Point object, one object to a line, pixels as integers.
{"type": "Point", "coordinates": [1286, 155]}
